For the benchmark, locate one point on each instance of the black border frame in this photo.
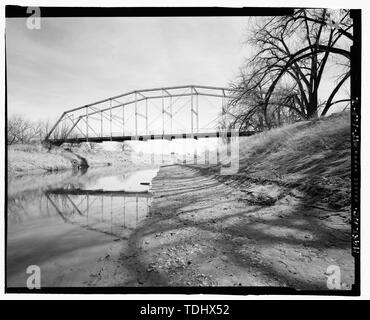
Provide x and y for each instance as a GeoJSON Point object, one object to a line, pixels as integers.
{"type": "Point", "coordinates": [12, 11]}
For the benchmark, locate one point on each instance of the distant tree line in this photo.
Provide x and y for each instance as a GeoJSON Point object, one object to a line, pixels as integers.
{"type": "Point", "coordinates": [23, 131]}
{"type": "Point", "coordinates": [286, 78]}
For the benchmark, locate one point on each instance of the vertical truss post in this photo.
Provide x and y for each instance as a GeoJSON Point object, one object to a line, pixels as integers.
{"type": "Point", "coordinates": [171, 111]}
{"type": "Point", "coordinates": [123, 120]}
{"type": "Point", "coordinates": [87, 124]}
{"type": "Point", "coordinates": [197, 109]}
{"type": "Point", "coordinates": [135, 115]}
{"type": "Point", "coordinates": [110, 119]}
{"type": "Point", "coordinates": [223, 117]}
{"type": "Point", "coordinates": [146, 116]}
{"type": "Point", "coordinates": [191, 111]}
{"type": "Point", "coordinates": [101, 123]}
{"type": "Point", "coordinates": [162, 111]}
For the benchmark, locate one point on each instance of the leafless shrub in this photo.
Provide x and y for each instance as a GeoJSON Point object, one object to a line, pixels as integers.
{"type": "Point", "coordinates": [23, 131]}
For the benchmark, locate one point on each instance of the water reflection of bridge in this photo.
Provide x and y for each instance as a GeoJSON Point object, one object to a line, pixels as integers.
{"type": "Point", "coordinates": [115, 213]}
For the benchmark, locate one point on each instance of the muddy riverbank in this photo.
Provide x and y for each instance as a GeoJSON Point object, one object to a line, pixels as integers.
{"type": "Point", "coordinates": [36, 159]}
{"type": "Point", "coordinates": [204, 232]}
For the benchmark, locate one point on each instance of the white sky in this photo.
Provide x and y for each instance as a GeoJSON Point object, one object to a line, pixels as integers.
{"type": "Point", "coordinates": [74, 61]}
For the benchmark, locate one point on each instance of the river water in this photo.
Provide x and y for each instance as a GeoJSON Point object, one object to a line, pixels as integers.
{"type": "Point", "coordinates": [67, 223]}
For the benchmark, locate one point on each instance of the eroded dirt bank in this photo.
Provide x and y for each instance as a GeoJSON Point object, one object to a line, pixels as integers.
{"type": "Point", "coordinates": [208, 230]}
{"type": "Point", "coordinates": [35, 159]}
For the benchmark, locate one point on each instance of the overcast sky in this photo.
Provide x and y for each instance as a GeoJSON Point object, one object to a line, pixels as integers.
{"type": "Point", "coordinates": [74, 61]}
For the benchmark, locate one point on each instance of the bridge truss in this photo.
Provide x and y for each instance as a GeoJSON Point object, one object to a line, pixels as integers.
{"type": "Point", "coordinates": [134, 116]}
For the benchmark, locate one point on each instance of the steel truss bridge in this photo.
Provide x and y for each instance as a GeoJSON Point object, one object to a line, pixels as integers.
{"type": "Point", "coordinates": [159, 113]}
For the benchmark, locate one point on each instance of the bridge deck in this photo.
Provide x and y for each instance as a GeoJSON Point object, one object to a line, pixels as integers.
{"type": "Point", "coordinates": [145, 137]}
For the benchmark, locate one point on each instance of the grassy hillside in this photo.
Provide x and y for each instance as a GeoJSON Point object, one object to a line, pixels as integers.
{"type": "Point", "coordinates": [313, 157]}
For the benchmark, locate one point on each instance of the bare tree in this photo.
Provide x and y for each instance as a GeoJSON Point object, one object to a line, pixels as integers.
{"type": "Point", "coordinates": [292, 54]}
{"type": "Point", "coordinates": [19, 130]}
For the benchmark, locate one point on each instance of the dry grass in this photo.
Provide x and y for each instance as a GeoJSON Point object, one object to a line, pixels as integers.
{"type": "Point", "coordinates": [23, 159]}
{"type": "Point", "coordinates": [311, 156]}
{"type": "Point", "coordinates": [27, 159]}
{"type": "Point", "coordinates": [300, 151]}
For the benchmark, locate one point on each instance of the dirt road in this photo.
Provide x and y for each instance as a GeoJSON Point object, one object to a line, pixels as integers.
{"type": "Point", "coordinates": [208, 230]}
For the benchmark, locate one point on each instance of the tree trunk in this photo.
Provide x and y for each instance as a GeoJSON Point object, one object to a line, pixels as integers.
{"type": "Point", "coordinates": [312, 109]}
